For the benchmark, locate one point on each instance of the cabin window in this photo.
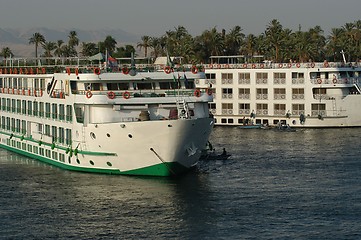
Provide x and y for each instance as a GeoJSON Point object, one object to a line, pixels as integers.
{"type": "Point", "coordinates": [23, 105]}
{"type": "Point", "coordinates": [61, 112]}
{"type": "Point", "coordinates": [74, 88]}
{"type": "Point", "coordinates": [41, 109]}
{"type": "Point", "coordinates": [210, 76]}
{"type": "Point", "coordinates": [261, 76]}
{"type": "Point", "coordinates": [47, 110]}
{"type": "Point", "coordinates": [1, 82]}
{"type": "Point", "coordinates": [30, 107]}
{"type": "Point", "coordinates": [279, 109]}
{"type": "Point", "coordinates": [118, 86]}
{"type": "Point", "coordinates": [227, 92]}
{"type": "Point", "coordinates": [54, 110]}
{"type": "Point", "coordinates": [69, 114]}
{"type": "Point", "coordinates": [318, 109]}
{"type": "Point", "coordinates": [144, 86]}
{"type": "Point", "coordinates": [227, 108]}
{"type": "Point", "coordinates": [244, 108]}
{"type": "Point", "coordinates": [54, 132]}
{"type": "Point", "coordinates": [164, 85]}
{"type": "Point", "coordinates": [35, 108]}
{"type": "Point", "coordinates": [261, 93]}
{"type": "Point", "coordinates": [23, 126]}
{"type": "Point", "coordinates": [47, 130]}
{"type": "Point", "coordinates": [298, 109]}
{"type": "Point", "coordinates": [61, 135]}
{"type": "Point", "coordinates": [262, 109]}
{"type": "Point", "coordinates": [79, 113]}
{"type": "Point", "coordinates": [68, 137]}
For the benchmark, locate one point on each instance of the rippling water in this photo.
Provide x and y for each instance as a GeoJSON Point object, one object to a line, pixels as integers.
{"type": "Point", "coordinates": [277, 185]}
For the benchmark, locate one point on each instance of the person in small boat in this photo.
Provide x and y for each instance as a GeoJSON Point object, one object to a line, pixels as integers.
{"type": "Point", "coordinates": [224, 153]}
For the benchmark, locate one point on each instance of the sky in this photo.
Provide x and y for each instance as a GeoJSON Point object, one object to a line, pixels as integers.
{"type": "Point", "coordinates": [155, 17]}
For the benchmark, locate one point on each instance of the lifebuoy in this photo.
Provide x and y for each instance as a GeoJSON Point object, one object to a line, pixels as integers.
{"type": "Point", "coordinates": [76, 71]}
{"type": "Point", "coordinates": [89, 94]}
{"type": "Point", "coordinates": [326, 65]}
{"type": "Point", "coordinates": [245, 65]}
{"type": "Point", "coordinates": [312, 65]}
{"type": "Point", "coordinates": [194, 69]}
{"type": "Point", "coordinates": [125, 70]}
{"type": "Point", "coordinates": [126, 95]}
{"type": "Point", "coordinates": [319, 81]}
{"type": "Point", "coordinates": [197, 93]}
{"type": "Point", "coordinates": [111, 95]}
{"type": "Point", "coordinates": [280, 65]}
{"type": "Point", "coordinates": [15, 71]}
{"type": "Point", "coordinates": [262, 65]}
{"type": "Point", "coordinates": [334, 80]}
{"type": "Point", "coordinates": [68, 71]}
{"type": "Point", "coordinates": [43, 70]}
{"type": "Point", "coordinates": [97, 71]}
{"type": "Point", "coordinates": [167, 69]}
{"type": "Point", "coordinates": [298, 65]}
{"type": "Point", "coordinates": [209, 91]}
{"type": "Point", "coordinates": [253, 65]}
{"type": "Point", "coordinates": [289, 65]}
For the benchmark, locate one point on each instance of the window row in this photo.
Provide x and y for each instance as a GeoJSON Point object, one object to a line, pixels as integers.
{"type": "Point", "coordinates": [262, 93]}
{"type": "Point", "coordinates": [37, 109]}
{"type": "Point", "coordinates": [57, 134]}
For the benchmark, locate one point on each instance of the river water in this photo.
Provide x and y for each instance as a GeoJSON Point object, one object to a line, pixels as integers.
{"type": "Point", "coordinates": [276, 185]}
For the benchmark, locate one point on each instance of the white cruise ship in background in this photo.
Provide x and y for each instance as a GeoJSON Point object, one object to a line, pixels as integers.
{"type": "Point", "coordinates": [323, 94]}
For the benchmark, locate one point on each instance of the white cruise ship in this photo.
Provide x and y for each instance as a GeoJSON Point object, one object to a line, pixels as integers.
{"type": "Point", "coordinates": [309, 94]}
{"type": "Point", "coordinates": [137, 120]}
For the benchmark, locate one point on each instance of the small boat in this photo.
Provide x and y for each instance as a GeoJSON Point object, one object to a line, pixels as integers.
{"type": "Point", "coordinates": [251, 126]}
{"type": "Point", "coordinates": [285, 128]}
{"type": "Point", "coordinates": [208, 154]}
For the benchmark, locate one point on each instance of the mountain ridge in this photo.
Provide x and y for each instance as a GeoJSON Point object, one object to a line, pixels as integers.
{"type": "Point", "coordinates": [17, 39]}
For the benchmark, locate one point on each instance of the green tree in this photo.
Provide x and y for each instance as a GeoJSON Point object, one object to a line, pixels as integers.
{"type": "Point", "coordinates": [37, 39]}
{"type": "Point", "coordinates": [145, 43]}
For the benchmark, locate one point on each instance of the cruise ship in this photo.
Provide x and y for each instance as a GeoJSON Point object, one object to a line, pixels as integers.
{"type": "Point", "coordinates": [134, 119]}
{"type": "Point", "coordinates": [311, 94]}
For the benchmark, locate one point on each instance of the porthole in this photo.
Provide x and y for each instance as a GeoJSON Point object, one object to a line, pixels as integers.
{"type": "Point", "coordinates": [92, 135]}
{"type": "Point", "coordinates": [108, 135]}
{"type": "Point", "coordinates": [77, 160]}
{"type": "Point", "coordinates": [91, 162]}
{"type": "Point", "coordinates": [109, 164]}
{"type": "Point", "coordinates": [130, 135]}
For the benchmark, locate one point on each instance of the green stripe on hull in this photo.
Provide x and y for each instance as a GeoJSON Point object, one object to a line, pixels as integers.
{"type": "Point", "coordinates": [164, 170]}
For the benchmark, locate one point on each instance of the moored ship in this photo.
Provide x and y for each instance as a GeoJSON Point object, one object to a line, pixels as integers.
{"type": "Point", "coordinates": [134, 119]}
{"type": "Point", "coordinates": [323, 94]}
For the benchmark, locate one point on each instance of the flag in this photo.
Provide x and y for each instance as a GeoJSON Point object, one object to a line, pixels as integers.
{"type": "Point", "coordinates": [112, 62]}
{"type": "Point", "coordinates": [169, 61]}
{"type": "Point", "coordinates": [185, 81]}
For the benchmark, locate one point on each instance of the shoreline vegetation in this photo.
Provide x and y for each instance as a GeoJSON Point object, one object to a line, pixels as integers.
{"type": "Point", "coordinates": [276, 44]}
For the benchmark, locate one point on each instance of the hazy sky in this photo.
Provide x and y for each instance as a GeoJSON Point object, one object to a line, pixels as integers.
{"type": "Point", "coordinates": [155, 17]}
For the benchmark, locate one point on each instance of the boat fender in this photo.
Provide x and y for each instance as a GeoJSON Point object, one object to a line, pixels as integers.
{"type": "Point", "coordinates": [167, 69]}
{"type": "Point", "coordinates": [197, 93]}
{"type": "Point", "coordinates": [111, 95]}
{"type": "Point", "coordinates": [194, 69]}
{"type": "Point", "coordinates": [126, 95]}
{"type": "Point", "coordinates": [89, 94]}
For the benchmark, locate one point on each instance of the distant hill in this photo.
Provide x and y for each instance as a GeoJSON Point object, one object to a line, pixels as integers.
{"type": "Point", "coordinates": [18, 39]}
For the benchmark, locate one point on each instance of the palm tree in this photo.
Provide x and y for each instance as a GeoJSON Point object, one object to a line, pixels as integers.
{"type": "Point", "coordinates": [6, 52]}
{"type": "Point", "coordinates": [274, 36]}
{"type": "Point", "coordinates": [73, 41]}
{"type": "Point", "coordinates": [59, 48]}
{"type": "Point", "coordinates": [49, 47]}
{"type": "Point", "coordinates": [89, 49]}
{"type": "Point", "coordinates": [110, 44]}
{"type": "Point", "coordinates": [233, 41]}
{"type": "Point", "coordinates": [145, 43]}
{"type": "Point", "coordinates": [37, 39]}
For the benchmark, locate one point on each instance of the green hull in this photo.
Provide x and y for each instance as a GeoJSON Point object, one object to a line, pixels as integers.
{"type": "Point", "coordinates": [162, 169]}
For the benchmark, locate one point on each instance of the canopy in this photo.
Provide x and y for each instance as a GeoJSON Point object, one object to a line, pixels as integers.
{"type": "Point", "coordinates": [98, 56]}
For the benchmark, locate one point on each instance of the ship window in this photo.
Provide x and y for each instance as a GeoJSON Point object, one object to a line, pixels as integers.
{"type": "Point", "coordinates": [54, 110]}
{"type": "Point", "coordinates": [36, 108]}
{"type": "Point", "coordinates": [30, 107]}
{"type": "Point", "coordinates": [261, 75]}
{"type": "Point", "coordinates": [68, 136]}
{"type": "Point", "coordinates": [23, 126]}
{"type": "Point", "coordinates": [164, 85]}
{"type": "Point", "coordinates": [69, 115]}
{"type": "Point", "coordinates": [61, 135]}
{"type": "Point", "coordinates": [144, 86]}
{"type": "Point", "coordinates": [210, 76]}
{"type": "Point", "coordinates": [79, 113]}
{"type": "Point", "coordinates": [61, 112]}
{"type": "Point", "coordinates": [47, 110]}
{"type": "Point", "coordinates": [41, 109]}
{"type": "Point", "coordinates": [54, 132]}
{"type": "Point", "coordinates": [23, 109]}
{"type": "Point", "coordinates": [40, 128]}
{"type": "Point", "coordinates": [47, 130]}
